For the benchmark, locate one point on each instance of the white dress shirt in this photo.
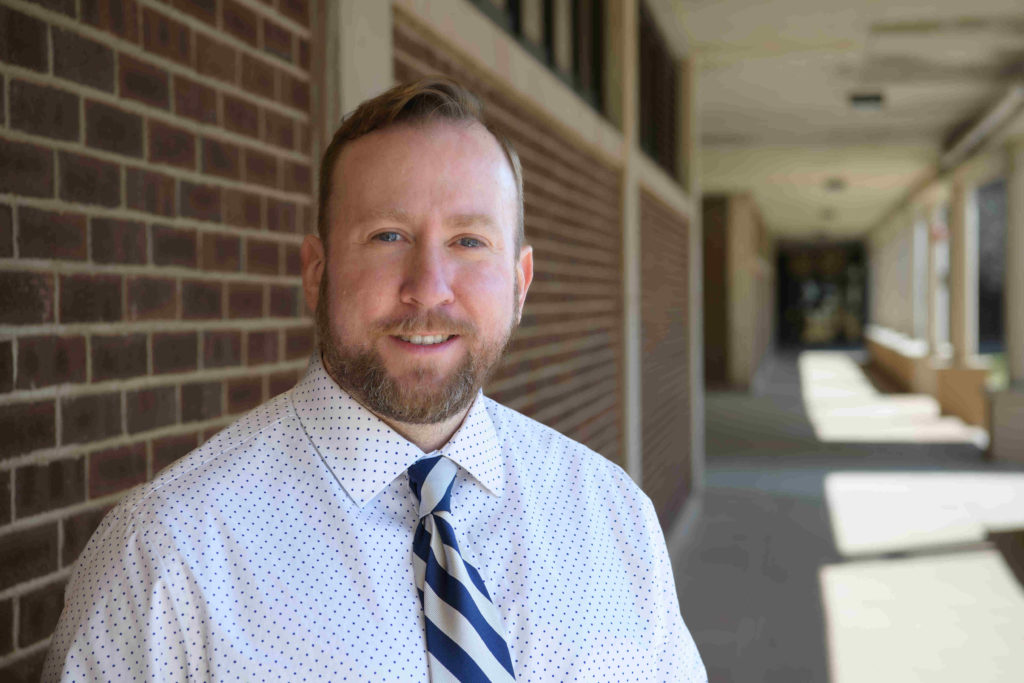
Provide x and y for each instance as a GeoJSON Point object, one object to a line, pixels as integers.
{"type": "Point", "coordinates": [282, 549]}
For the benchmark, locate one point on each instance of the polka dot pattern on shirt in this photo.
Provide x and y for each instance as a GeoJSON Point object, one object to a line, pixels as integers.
{"type": "Point", "coordinates": [282, 549]}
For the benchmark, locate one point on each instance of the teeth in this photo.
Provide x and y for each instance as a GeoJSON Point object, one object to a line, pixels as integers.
{"type": "Point", "coordinates": [425, 340]}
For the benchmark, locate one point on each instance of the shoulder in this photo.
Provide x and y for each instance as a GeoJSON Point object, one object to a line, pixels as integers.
{"type": "Point", "coordinates": [544, 457]}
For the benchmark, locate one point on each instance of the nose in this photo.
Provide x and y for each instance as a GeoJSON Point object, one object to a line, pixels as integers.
{"type": "Point", "coordinates": [427, 281]}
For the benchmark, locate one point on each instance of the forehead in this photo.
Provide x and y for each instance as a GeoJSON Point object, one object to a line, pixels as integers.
{"type": "Point", "coordinates": [446, 167]}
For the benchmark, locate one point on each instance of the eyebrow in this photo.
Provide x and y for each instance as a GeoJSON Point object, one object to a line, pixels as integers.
{"type": "Point", "coordinates": [460, 220]}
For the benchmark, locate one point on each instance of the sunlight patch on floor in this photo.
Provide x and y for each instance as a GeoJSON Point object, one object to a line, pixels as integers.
{"type": "Point", "coordinates": [933, 619]}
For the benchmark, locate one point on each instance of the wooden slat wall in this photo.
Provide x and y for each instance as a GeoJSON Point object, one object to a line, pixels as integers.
{"type": "Point", "coordinates": [665, 356]}
{"type": "Point", "coordinates": [565, 365]}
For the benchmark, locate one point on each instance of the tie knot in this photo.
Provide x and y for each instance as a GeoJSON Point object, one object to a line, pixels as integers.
{"type": "Point", "coordinates": [431, 482]}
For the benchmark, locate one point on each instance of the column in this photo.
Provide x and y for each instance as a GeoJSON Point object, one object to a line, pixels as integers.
{"type": "Point", "coordinates": [932, 218]}
{"type": "Point", "coordinates": [1015, 262]}
{"type": "Point", "coordinates": [963, 280]}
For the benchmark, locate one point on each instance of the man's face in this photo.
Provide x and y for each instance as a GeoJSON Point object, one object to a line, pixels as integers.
{"type": "Point", "coordinates": [420, 288]}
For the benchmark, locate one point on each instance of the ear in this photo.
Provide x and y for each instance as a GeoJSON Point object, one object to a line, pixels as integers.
{"type": "Point", "coordinates": [313, 263]}
{"type": "Point", "coordinates": [524, 274]}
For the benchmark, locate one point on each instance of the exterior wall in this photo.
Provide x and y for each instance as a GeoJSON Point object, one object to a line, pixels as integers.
{"type": "Point", "coordinates": [716, 291]}
{"type": "Point", "coordinates": [155, 181]}
{"type": "Point", "coordinates": [665, 263]}
{"type": "Point", "coordinates": [892, 280]}
{"type": "Point", "coordinates": [565, 364]}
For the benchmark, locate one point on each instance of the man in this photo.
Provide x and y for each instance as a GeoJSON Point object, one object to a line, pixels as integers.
{"type": "Point", "coordinates": [383, 520]}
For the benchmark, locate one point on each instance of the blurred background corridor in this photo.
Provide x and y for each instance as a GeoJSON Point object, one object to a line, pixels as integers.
{"type": "Point", "coordinates": [779, 255]}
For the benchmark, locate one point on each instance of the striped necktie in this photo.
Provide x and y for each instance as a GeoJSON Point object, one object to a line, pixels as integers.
{"type": "Point", "coordinates": [465, 634]}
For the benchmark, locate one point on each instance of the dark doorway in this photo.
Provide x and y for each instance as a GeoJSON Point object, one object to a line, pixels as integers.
{"type": "Point", "coordinates": [822, 295]}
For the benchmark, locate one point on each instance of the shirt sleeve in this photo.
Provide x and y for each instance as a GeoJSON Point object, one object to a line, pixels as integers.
{"type": "Point", "coordinates": [678, 659]}
{"type": "Point", "coordinates": [120, 621]}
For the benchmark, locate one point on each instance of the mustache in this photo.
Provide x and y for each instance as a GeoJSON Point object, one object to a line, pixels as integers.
{"type": "Point", "coordinates": [429, 321]}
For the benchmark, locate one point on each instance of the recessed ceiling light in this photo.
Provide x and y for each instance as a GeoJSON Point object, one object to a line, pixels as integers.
{"type": "Point", "coordinates": [828, 214]}
{"type": "Point", "coordinates": [868, 101]}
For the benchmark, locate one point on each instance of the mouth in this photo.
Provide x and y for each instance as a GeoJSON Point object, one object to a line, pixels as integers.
{"type": "Point", "coordinates": [426, 339]}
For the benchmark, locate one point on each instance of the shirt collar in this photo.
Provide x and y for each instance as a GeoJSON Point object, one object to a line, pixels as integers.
{"type": "Point", "coordinates": [366, 454]}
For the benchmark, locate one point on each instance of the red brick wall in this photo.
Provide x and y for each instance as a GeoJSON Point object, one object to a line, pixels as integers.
{"type": "Point", "coordinates": [665, 374]}
{"type": "Point", "coordinates": [565, 365]}
{"type": "Point", "coordinates": [155, 180]}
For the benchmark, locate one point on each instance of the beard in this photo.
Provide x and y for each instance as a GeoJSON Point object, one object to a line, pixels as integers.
{"type": "Point", "coordinates": [362, 373]}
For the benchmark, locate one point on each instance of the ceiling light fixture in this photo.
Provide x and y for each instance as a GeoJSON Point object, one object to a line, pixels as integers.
{"type": "Point", "coordinates": [835, 184]}
{"type": "Point", "coordinates": [867, 101]}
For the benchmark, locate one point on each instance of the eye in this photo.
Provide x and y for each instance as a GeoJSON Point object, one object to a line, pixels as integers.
{"type": "Point", "coordinates": [470, 242]}
{"type": "Point", "coordinates": [387, 236]}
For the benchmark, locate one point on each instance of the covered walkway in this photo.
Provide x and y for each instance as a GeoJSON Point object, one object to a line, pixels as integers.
{"type": "Point", "coordinates": [848, 534]}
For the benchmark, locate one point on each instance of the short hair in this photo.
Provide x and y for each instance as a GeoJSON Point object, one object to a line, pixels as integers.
{"type": "Point", "coordinates": [435, 98]}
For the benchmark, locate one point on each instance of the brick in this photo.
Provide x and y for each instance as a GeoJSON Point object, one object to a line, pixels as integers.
{"type": "Point", "coordinates": [143, 82]}
{"type": "Point", "coordinates": [39, 611]}
{"type": "Point", "coordinates": [26, 169]}
{"type": "Point", "coordinates": [296, 10]}
{"type": "Point", "coordinates": [222, 349]}
{"type": "Point", "coordinates": [199, 201]}
{"type": "Point", "coordinates": [242, 208]}
{"type": "Point", "coordinates": [244, 394]}
{"type": "Point", "coordinates": [117, 241]}
{"type": "Point", "coordinates": [22, 40]}
{"type": "Point", "coordinates": [113, 129]}
{"type": "Point", "coordinates": [277, 40]}
{"type": "Point", "coordinates": [119, 356]}
{"type": "Point", "coordinates": [221, 158]}
{"type": "Point", "coordinates": [284, 301]}
{"type": "Point", "coordinates": [221, 252]}
{"type": "Point", "coordinates": [171, 448]}
{"type": "Point", "coordinates": [241, 116]}
{"type": "Point", "coordinates": [26, 298]}
{"type": "Point", "coordinates": [292, 259]}
{"type": "Point", "coordinates": [215, 59]}
{"type": "Point", "coordinates": [298, 342]}
{"type": "Point", "coordinates": [258, 77]}
{"type": "Point", "coordinates": [262, 257]}
{"type": "Point", "coordinates": [6, 368]}
{"type": "Point", "coordinates": [6, 514]}
{"type": "Point", "coordinates": [150, 191]}
{"type": "Point", "coordinates": [304, 52]}
{"type": "Point", "coordinates": [171, 145]}
{"type": "Point", "coordinates": [200, 300]}
{"type": "Point", "coordinates": [6, 227]}
{"type": "Point", "coordinates": [204, 10]}
{"type": "Point", "coordinates": [89, 180]}
{"type": "Point", "coordinates": [261, 347]}
{"type": "Point", "coordinates": [175, 352]}
{"type": "Point", "coordinates": [63, 6]}
{"type": "Point", "coordinates": [166, 37]}
{"type": "Point", "coordinates": [278, 129]}
{"type": "Point", "coordinates": [245, 300]}
{"type": "Point", "coordinates": [281, 382]}
{"type": "Point", "coordinates": [6, 627]}
{"type": "Point", "coordinates": [119, 17]}
{"type": "Point", "coordinates": [173, 246]}
{"type": "Point", "coordinates": [194, 100]}
{"type": "Point", "coordinates": [42, 110]}
{"type": "Point", "coordinates": [294, 93]}
{"type": "Point", "coordinates": [260, 168]}
{"type": "Point", "coordinates": [151, 408]}
{"type": "Point", "coordinates": [241, 22]}
{"type": "Point", "coordinates": [90, 418]}
{"type": "Point", "coordinates": [116, 469]}
{"type": "Point", "coordinates": [281, 216]}
{"type": "Point", "coordinates": [27, 554]}
{"type": "Point", "coordinates": [78, 529]}
{"type": "Point", "coordinates": [305, 138]}
{"type": "Point", "coordinates": [200, 401]}
{"type": "Point", "coordinates": [38, 488]}
{"type": "Point", "coordinates": [90, 298]}
{"type": "Point", "coordinates": [47, 360]}
{"type": "Point", "coordinates": [151, 298]}
{"type": "Point", "coordinates": [27, 427]}
{"type": "Point", "coordinates": [27, 669]}
{"type": "Point", "coordinates": [51, 235]}
{"type": "Point", "coordinates": [82, 60]}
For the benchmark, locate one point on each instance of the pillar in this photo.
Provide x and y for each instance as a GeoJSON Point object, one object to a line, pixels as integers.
{"type": "Point", "coordinates": [1015, 262]}
{"type": "Point", "coordinates": [963, 275]}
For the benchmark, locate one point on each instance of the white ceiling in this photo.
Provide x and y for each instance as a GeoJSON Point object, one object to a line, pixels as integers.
{"type": "Point", "coordinates": [774, 80]}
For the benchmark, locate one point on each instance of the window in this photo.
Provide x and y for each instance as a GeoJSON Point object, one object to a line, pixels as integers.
{"type": "Point", "coordinates": [659, 79]}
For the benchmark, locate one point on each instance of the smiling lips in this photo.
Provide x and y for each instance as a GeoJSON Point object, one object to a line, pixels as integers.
{"type": "Point", "coordinates": [426, 339]}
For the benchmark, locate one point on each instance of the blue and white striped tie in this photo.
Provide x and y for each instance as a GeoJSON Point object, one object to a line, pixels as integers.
{"type": "Point", "coordinates": [465, 634]}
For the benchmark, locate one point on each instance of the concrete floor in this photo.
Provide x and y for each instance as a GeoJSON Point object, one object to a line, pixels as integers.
{"type": "Point", "coordinates": [845, 534]}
